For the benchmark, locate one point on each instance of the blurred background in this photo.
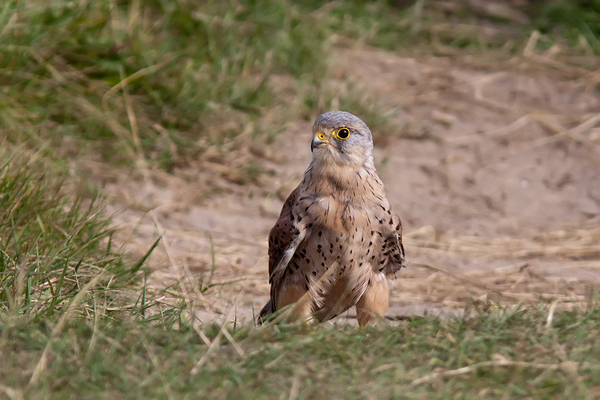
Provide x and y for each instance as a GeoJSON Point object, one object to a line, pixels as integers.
{"type": "Point", "coordinates": [192, 121]}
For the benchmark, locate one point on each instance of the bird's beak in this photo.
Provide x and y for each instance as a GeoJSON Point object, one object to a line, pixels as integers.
{"type": "Point", "coordinates": [319, 140]}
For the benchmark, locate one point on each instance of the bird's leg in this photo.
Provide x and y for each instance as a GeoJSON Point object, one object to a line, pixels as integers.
{"type": "Point", "coordinates": [297, 302]}
{"type": "Point", "coordinates": [374, 302]}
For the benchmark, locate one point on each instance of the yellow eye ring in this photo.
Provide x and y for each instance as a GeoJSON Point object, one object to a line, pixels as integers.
{"type": "Point", "coordinates": [342, 133]}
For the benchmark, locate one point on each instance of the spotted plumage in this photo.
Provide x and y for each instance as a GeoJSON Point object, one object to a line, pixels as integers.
{"type": "Point", "coordinates": [337, 242]}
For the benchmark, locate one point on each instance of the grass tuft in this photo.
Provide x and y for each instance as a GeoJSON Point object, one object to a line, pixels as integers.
{"type": "Point", "coordinates": [577, 21]}
{"type": "Point", "coordinates": [158, 81]}
{"type": "Point", "coordinates": [51, 244]}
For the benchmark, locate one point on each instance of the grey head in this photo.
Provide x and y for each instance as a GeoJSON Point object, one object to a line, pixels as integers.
{"type": "Point", "coordinates": [342, 138]}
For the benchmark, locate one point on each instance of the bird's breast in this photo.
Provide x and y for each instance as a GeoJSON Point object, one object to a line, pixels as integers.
{"type": "Point", "coordinates": [341, 216]}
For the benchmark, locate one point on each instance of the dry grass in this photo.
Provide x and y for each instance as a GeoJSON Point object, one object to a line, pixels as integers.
{"type": "Point", "coordinates": [574, 245]}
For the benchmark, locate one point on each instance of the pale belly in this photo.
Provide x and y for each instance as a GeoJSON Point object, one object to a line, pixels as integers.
{"type": "Point", "coordinates": [335, 268]}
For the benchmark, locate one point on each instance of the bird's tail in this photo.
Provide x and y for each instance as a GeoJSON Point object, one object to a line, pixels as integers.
{"type": "Point", "coordinates": [265, 313]}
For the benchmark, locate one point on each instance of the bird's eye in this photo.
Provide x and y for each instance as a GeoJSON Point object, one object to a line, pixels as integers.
{"type": "Point", "coordinates": [343, 134]}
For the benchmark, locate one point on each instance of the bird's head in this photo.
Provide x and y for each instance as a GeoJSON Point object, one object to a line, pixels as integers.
{"type": "Point", "coordinates": [341, 138]}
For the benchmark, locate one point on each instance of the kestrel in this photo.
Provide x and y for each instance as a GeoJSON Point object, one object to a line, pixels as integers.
{"type": "Point", "coordinates": [337, 242]}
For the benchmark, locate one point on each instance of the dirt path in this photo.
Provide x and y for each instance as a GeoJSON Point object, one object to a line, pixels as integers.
{"type": "Point", "coordinates": [495, 173]}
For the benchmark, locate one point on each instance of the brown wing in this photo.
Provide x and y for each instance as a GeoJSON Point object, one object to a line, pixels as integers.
{"type": "Point", "coordinates": [284, 239]}
{"type": "Point", "coordinates": [283, 234]}
{"type": "Point", "coordinates": [394, 250]}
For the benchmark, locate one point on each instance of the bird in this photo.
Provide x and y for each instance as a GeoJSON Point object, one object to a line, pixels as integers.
{"type": "Point", "coordinates": [337, 243]}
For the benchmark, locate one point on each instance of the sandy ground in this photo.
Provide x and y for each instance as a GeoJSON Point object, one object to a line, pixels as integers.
{"type": "Point", "coordinates": [494, 170]}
